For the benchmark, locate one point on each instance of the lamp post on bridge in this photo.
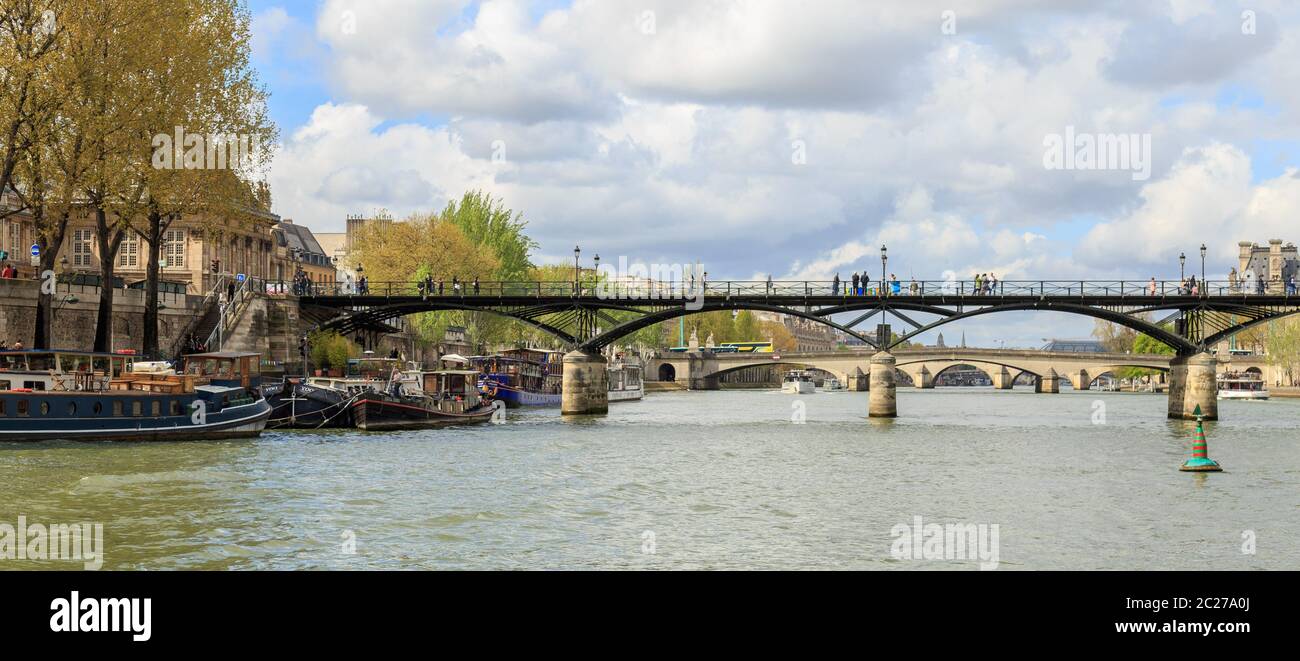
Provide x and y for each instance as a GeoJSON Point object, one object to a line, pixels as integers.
{"type": "Point", "coordinates": [595, 273]}
{"type": "Point", "coordinates": [1203, 267]}
{"type": "Point", "coordinates": [1182, 274]}
{"type": "Point", "coordinates": [576, 251]}
{"type": "Point", "coordinates": [884, 257]}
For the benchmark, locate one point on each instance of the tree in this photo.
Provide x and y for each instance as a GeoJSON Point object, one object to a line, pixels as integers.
{"type": "Point", "coordinates": [1114, 337]}
{"type": "Point", "coordinates": [1282, 344]}
{"type": "Point", "coordinates": [487, 222]}
{"type": "Point", "coordinates": [206, 87]}
{"type": "Point", "coordinates": [1144, 344]}
{"type": "Point", "coordinates": [29, 38]}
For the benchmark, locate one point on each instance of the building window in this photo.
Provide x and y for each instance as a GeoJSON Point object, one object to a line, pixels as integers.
{"type": "Point", "coordinates": [14, 236]}
{"type": "Point", "coordinates": [128, 254]}
{"type": "Point", "coordinates": [81, 247]}
{"type": "Point", "coordinates": [174, 248]}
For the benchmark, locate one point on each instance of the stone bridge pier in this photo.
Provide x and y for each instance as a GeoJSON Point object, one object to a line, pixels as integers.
{"type": "Point", "coordinates": [585, 384]}
{"type": "Point", "coordinates": [1192, 384]}
{"type": "Point", "coordinates": [1049, 383]}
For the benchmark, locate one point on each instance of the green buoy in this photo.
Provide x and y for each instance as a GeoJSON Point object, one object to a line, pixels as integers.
{"type": "Point", "coordinates": [1200, 461]}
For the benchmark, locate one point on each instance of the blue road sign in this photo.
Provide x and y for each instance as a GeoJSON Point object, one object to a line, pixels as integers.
{"type": "Point", "coordinates": [36, 250]}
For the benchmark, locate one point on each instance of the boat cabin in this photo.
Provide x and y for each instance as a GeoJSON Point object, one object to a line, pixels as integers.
{"type": "Point", "coordinates": [61, 370]}
{"type": "Point", "coordinates": [452, 391]}
{"type": "Point", "coordinates": [226, 368]}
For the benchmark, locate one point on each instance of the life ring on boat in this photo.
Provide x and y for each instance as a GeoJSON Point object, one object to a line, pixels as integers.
{"type": "Point", "coordinates": [20, 390]}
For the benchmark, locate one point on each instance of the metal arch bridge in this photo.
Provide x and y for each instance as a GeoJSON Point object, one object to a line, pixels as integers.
{"type": "Point", "coordinates": [583, 315]}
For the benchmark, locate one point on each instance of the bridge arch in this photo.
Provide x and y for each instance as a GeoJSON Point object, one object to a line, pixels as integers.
{"type": "Point", "coordinates": [1182, 345]}
{"type": "Point", "coordinates": [628, 327]}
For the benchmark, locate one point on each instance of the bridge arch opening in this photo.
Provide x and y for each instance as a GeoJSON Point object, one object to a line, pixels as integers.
{"type": "Point", "coordinates": [667, 372]}
{"type": "Point", "coordinates": [963, 375]}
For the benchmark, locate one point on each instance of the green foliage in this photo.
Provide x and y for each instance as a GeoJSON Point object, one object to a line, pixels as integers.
{"type": "Point", "coordinates": [330, 350]}
{"type": "Point", "coordinates": [1282, 343]}
{"type": "Point", "coordinates": [487, 222]}
{"type": "Point", "coordinates": [1144, 344]}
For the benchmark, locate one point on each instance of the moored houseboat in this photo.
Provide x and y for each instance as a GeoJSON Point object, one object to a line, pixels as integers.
{"type": "Point", "coordinates": [521, 377]}
{"type": "Point", "coordinates": [449, 397]}
{"type": "Point", "coordinates": [61, 394]}
{"type": "Point", "coordinates": [324, 402]}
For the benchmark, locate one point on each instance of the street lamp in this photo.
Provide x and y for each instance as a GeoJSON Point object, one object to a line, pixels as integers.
{"type": "Point", "coordinates": [1202, 266]}
{"type": "Point", "coordinates": [1182, 259]}
{"type": "Point", "coordinates": [596, 269]}
{"type": "Point", "coordinates": [883, 259]}
{"type": "Point", "coordinates": [576, 251]}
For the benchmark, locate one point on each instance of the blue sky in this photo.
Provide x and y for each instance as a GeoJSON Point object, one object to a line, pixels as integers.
{"type": "Point", "coordinates": [762, 139]}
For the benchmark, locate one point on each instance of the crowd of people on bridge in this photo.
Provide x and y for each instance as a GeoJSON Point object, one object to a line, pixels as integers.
{"type": "Point", "coordinates": [430, 287]}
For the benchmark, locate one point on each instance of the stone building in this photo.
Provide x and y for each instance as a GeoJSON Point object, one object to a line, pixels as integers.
{"type": "Point", "coordinates": [808, 335]}
{"type": "Point", "coordinates": [296, 247]}
{"type": "Point", "coordinates": [195, 251]}
{"type": "Point", "coordinates": [1273, 264]}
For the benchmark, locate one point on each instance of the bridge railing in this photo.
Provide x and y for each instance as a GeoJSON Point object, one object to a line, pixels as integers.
{"type": "Point", "coordinates": [655, 290]}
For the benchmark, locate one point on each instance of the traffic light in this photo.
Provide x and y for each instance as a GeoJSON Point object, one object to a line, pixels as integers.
{"type": "Point", "coordinates": [216, 266]}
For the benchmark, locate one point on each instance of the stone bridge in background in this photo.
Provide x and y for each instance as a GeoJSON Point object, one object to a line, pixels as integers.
{"type": "Point", "coordinates": [703, 370]}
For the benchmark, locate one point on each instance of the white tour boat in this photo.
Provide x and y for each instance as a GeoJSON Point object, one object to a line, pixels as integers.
{"type": "Point", "coordinates": [798, 382]}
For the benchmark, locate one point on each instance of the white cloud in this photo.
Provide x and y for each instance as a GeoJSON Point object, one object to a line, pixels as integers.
{"type": "Point", "coordinates": [759, 138]}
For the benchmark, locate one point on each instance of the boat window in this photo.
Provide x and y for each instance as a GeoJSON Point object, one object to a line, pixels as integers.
{"type": "Point", "coordinates": [101, 364]}
{"type": "Point", "coordinates": [13, 362]}
{"type": "Point", "coordinates": [34, 385]}
{"type": "Point", "coordinates": [137, 408]}
{"type": "Point", "coordinates": [117, 408]}
{"type": "Point", "coordinates": [155, 409]}
{"type": "Point", "coordinates": [74, 363]}
{"type": "Point", "coordinates": [2, 408]}
{"type": "Point", "coordinates": [45, 408]}
{"type": "Point", "coordinates": [4, 385]}
{"type": "Point", "coordinates": [72, 408]}
{"type": "Point", "coordinates": [176, 407]}
{"type": "Point", "coordinates": [22, 407]}
{"type": "Point", "coordinates": [40, 362]}
{"type": "Point", "coordinates": [99, 408]}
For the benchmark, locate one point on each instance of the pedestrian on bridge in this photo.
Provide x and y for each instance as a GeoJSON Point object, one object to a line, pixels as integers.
{"type": "Point", "coordinates": [441, 282]}
{"type": "Point", "coordinates": [769, 284]}
{"type": "Point", "coordinates": [476, 285]}
{"type": "Point", "coordinates": [1151, 287]}
{"type": "Point", "coordinates": [835, 285]}
{"type": "Point", "coordinates": [979, 283]}
{"type": "Point", "coordinates": [455, 285]}
{"type": "Point", "coordinates": [857, 279]}
{"type": "Point", "coordinates": [1290, 285]}
{"type": "Point", "coordinates": [428, 284]}
{"type": "Point", "coordinates": [865, 279]}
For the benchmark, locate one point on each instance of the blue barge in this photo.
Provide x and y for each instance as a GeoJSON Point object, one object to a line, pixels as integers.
{"type": "Point", "coordinates": [61, 394]}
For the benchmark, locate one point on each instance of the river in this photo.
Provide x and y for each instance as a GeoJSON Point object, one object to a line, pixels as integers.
{"type": "Point", "coordinates": [696, 480]}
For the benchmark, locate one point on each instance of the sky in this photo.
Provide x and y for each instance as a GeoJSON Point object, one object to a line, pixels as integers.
{"type": "Point", "coordinates": [794, 139]}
